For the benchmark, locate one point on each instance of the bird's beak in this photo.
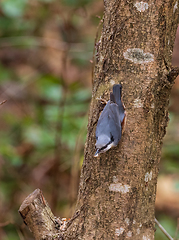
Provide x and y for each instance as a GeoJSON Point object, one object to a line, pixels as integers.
{"type": "Point", "coordinates": [97, 153]}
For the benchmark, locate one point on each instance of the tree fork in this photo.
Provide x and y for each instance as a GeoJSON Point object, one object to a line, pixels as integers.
{"type": "Point", "coordinates": [116, 198]}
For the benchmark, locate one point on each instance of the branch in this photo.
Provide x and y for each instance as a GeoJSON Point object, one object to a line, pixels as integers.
{"type": "Point", "coordinates": [3, 102]}
{"type": "Point", "coordinates": [38, 217]}
{"type": "Point", "coordinates": [163, 230]}
{"type": "Point", "coordinates": [40, 220]}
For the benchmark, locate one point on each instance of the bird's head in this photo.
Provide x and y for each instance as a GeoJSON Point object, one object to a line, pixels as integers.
{"type": "Point", "coordinates": [103, 144]}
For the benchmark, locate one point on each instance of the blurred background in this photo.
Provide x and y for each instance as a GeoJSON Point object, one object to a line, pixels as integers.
{"type": "Point", "coordinates": [46, 50]}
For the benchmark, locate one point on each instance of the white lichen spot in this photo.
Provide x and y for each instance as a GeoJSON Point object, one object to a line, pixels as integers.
{"type": "Point", "coordinates": [137, 55]}
{"type": "Point", "coordinates": [152, 105]}
{"type": "Point", "coordinates": [134, 222]}
{"type": "Point", "coordinates": [138, 103]}
{"type": "Point", "coordinates": [145, 238]}
{"type": "Point", "coordinates": [119, 231]}
{"type": "Point", "coordinates": [175, 7]}
{"type": "Point", "coordinates": [141, 6]}
{"type": "Point", "coordinates": [101, 59]}
{"type": "Point", "coordinates": [119, 187]}
{"type": "Point", "coordinates": [112, 82]}
{"type": "Point", "coordinates": [138, 230]}
{"type": "Point", "coordinates": [129, 234]}
{"type": "Point", "coordinates": [148, 176]}
{"type": "Point", "coordinates": [127, 221]}
{"type": "Point", "coordinates": [140, 225]}
{"type": "Point", "coordinates": [115, 179]}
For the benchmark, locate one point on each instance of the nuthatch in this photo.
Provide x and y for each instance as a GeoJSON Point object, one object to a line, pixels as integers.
{"type": "Point", "coordinates": [111, 122]}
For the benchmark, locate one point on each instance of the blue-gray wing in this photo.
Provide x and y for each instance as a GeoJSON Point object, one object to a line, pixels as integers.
{"type": "Point", "coordinates": [115, 129]}
{"type": "Point", "coordinates": [103, 122]}
{"type": "Point", "coordinates": [109, 122]}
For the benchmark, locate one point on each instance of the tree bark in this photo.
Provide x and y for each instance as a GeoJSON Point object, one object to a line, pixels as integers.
{"type": "Point", "coordinates": [118, 189]}
{"type": "Point", "coordinates": [116, 198]}
{"type": "Point", "coordinates": [38, 217]}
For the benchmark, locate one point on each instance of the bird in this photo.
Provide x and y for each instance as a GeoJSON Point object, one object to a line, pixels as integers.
{"type": "Point", "coordinates": [111, 122]}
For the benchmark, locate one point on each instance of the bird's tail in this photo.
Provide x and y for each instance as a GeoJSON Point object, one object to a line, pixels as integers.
{"type": "Point", "coordinates": [117, 89]}
{"type": "Point", "coordinates": [116, 97]}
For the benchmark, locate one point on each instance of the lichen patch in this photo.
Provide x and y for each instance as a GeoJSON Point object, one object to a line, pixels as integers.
{"type": "Point", "coordinates": [127, 221]}
{"type": "Point", "coordinates": [119, 187]}
{"type": "Point", "coordinates": [112, 82]}
{"type": "Point", "coordinates": [138, 103]}
{"type": "Point", "coordinates": [152, 105]}
{"type": "Point", "coordinates": [115, 179]}
{"type": "Point", "coordinates": [141, 6]}
{"type": "Point", "coordinates": [119, 231]}
{"type": "Point", "coordinates": [175, 7]}
{"type": "Point", "coordinates": [138, 231]}
{"type": "Point", "coordinates": [129, 234]}
{"type": "Point", "coordinates": [145, 237]}
{"type": "Point", "coordinates": [138, 56]}
{"type": "Point", "coordinates": [148, 176]}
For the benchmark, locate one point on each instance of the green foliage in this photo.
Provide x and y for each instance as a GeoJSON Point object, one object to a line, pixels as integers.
{"type": "Point", "coordinates": [5, 73]}
{"type": "Point", "coordinates": [9, 153]}
{"type": "Point", "coordinates": [40, 137]}
{"type": "Point", "coordinates": [10, 27]}
{"type": "Point", "coordinates": [76, 3]}
{"type": "Point", "coordinates": [13, 8]}
{"type": "Point", "coordinates": [50, 88]}
{"type": "Point", "coordinates": [12, 233]}
{"type": "Point", "coordinates": [43, 122]}
{"type": "Point", "coordinates": [46, 1]}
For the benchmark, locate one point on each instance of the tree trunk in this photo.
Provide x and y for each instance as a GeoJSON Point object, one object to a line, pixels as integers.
{"type": "Point", "coordinates": [116, 198]}
{"type": "Point", "coordinates": [117, 190]}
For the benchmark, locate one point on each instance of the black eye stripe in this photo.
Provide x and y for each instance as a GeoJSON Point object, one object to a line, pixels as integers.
{"type": "Point", "coordinates": [104, 147]}
{"type": "Point", "coordinates": [112, 139]}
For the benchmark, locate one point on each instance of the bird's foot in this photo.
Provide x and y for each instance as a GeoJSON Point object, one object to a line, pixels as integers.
{"type": "Point", "coordinates": [103, 101]}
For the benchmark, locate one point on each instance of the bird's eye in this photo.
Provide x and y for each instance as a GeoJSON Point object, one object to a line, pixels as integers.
{"type": "Point", "coordinates": [96, 138]}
